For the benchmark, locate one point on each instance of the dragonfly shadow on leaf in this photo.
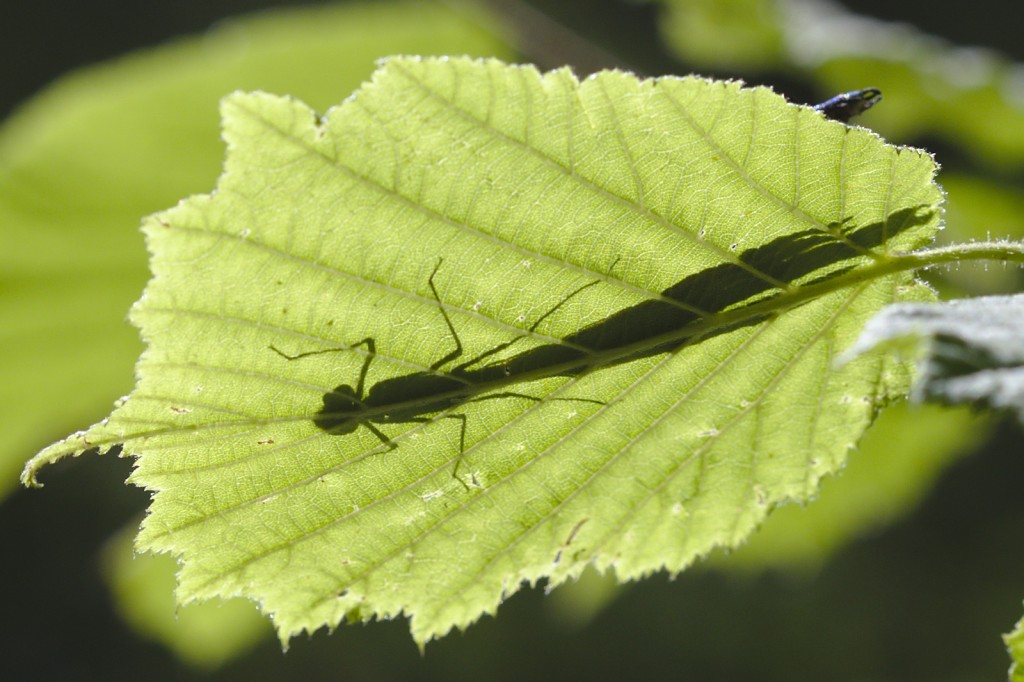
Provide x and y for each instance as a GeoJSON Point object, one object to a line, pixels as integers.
{"type": "Point", "coordinates": [653, 327]}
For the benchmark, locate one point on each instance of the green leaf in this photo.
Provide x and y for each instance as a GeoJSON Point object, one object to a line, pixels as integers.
{"type": "Point", "coordinates": [973, 349]}
{"type": "Point", "coordinates": [84, 161]}
{"type": "Point", "coordinates": [1015, 646]}
{"type": "Point", "coordinates": [733, 34]}
{"type": "Point", "coordinates": [657, 276]}
{"type": "Point", "coordinates": [204, 635]}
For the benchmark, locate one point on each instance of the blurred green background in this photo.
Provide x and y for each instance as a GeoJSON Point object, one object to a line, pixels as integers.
{"type": "Point", "coordinates": [906, 568]}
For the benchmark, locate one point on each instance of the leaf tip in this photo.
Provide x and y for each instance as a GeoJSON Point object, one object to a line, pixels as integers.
{"type": "Point", "coordinates": [72, 446]}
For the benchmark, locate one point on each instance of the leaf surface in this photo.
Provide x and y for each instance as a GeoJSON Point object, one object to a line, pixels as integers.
{"type": "Point", "coordinates": [655, 277]}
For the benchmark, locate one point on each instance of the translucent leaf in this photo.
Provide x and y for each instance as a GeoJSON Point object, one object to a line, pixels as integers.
{"type": "Point", "coordinates": [595, 324]}
{"type": "Point", "coordinates": [973, 349]}
{"type": "Point", "coordinates": [84, 161]}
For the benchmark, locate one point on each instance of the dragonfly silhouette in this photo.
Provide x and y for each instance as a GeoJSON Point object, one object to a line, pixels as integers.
{"type": "Point", "coordinates": [675, 317]}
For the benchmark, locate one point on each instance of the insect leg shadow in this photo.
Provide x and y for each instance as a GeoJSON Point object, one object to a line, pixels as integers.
{"type": "Point", "coordinates": [411, 398]}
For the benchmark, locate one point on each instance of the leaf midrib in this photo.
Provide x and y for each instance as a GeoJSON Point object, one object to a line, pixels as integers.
{"type": "Point", "coordinates": [690, 333]}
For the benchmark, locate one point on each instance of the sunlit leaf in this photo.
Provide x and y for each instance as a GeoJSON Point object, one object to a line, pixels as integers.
{"type": "Point", "coordinates": [654, 276]}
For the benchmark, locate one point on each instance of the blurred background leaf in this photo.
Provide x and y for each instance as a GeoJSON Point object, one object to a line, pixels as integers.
{"type": "Point", "coordinates": [205, 635]}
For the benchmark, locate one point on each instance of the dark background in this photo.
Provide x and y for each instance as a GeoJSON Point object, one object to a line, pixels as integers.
{"type": "Point", "coordinates": [42, 39]}
{"type": "Point", "coordinates": [925, 599]}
